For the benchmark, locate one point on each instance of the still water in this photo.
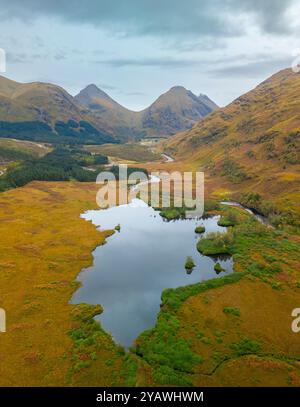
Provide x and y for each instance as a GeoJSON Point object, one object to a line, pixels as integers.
{"type": "Point", "coordinates": [136, 264]}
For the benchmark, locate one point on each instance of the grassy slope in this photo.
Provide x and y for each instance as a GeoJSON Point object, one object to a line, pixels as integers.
{"type": "Point", "coordinates": [34, 101]}
{"type": "Point", "coordinates": [37, 149]}
{"type": "Point", "coordinates": [40, 257]}
{"type": "Point", "coordinates": [42, 102]}
{"type": "Point", "coordinates": [56, 343]}
{"type": "Point", "coordinates": [251, 132]}
{"type": "Point", "coordinates": [258, 347]}
{"type": "Point", "coordinates": [175, 110]}
{"type": "Point", "coordinates": [196, 341]}
{"type": "Point", "coordinates": [130, 152]}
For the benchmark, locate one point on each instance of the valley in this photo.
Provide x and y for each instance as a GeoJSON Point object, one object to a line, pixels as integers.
{"type": "Point", "coordinates": [149, 202]}
{"type": "Point", "coordinates": [46, 112]}
{"type": "Point", "coordinates": [211, 349]}
{"type": "Point", "coordinates": [225, 322]}
{"type": "Point", "coordinates": [251, 145]}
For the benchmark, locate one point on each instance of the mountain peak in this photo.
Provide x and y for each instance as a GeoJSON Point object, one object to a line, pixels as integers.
{"type": "Point", "coordinates": [91, 91]}
{"type": "Point", "coordinates": [178, 88]}
{"type": "Point", "coordinates": [205, 99]}
{"type": "Point", "coordinates": [175, 110]}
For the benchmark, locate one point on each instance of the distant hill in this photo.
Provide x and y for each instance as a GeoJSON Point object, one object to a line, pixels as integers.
{"type": "Point", "coordinates": [123, 123]}
{"type": "Point", "coordinates": [45, 112]}
{"type": "Point", "coordinates": [253, 144]}
{"type": "Point", "coordinates": [174, 111]}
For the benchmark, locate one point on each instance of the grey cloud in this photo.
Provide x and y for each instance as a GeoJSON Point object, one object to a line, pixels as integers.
{"type": "Point", "coordinates": [206, 43]}
{"type": "Point", "coordinates": [149, 62]}
{"type": "Point", "coordinates": [133, 93]}
{"type": "Point", "coordinates": [169, 62]}
{"type": "Point", "coordinates": [17, 58]}
{"type": "Point", "coordinates": [156, 17]}
{"type": "Point", "coordinates": [271, 15]}
{"type": "Point", "coordinates": [253, 69]}
{"type": "Point", "coordinates": [106, 86]}
{"type": "Point", "coordinates": [24, 58]}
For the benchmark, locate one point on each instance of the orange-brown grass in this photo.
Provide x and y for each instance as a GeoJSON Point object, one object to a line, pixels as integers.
{"type": "Point", "coordinates": [259, 133]}
{"type": "Point", "coordinates": [265, 317]}
{"type": "Point", "coordinates": [237, 330]}
{"type": "Point", "coordinates": [44, 245]}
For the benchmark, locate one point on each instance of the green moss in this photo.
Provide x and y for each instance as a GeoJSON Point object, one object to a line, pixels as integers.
{"type": "Point", "coordinates": [218, 268]}
{"type": "Point", "coordinates": [162, 346]}
{"type": "Point", "coordinates": [246, 347]}
{"type": "Point", "coordinates": [211, 205]}
{"type": "Point", "coordinates": [173, 298]}
{"type": "Point", "coordinates": [228, 220]}
{"type": "Point", "coordinates": [215, 243]}
{"type": "Point", "coordinates": [232, 311]}
{"type": "Point", "coordinates": [200, 229]}
{"type": "Point", "coordinates": [172, 213]}
{"type": "Point", "coordinates": [87, 336]}
{"type": "Point", "coordinates": [166, 376]}
{"type": "Point", "coordinates": [189, 263]}
{"type": "Point", "coordinates": [233, 171]}
{"type": "Point", "coordinates": [129, 370]}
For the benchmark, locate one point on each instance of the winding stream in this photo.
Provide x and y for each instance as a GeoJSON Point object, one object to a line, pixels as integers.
{"type": "Point", "coordinates": [261, 218]}
{"type": "Point", "coordinates": [168, 158]}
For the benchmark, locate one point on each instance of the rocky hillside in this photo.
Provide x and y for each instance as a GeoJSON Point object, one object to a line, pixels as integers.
{"type": "Point", "coordinates": [253, 144]}
{"type": "Point", "coordinates": [121, 121]}
{"type": "Point", "coordinates": [176, 110]}
{"type": "Point", "coordinates": [45, 112]}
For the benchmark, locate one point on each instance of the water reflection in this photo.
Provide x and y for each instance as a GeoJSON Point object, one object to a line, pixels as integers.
{"type": "Point", "coordinates": [131, 271]}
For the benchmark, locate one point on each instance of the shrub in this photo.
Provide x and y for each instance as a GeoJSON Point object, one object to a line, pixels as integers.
{"type": "Point", "coordinates": [166, 376]}
{"type": "Point", "coordinates": [233, 171]}
{"type": "Point", "coordinates": [232, 311]}
{"type": "Point", "coordinates": [216, 243]}
{"type": "Point", "coordinates": [211, 205]}
{"type": "Point", "coordinates": [246, 347]}
{"type": "Point", "coordinates": [218, 268]}
{"type": "Point", "coordinates": [230, 219]}
{"type": "Point", "coordinates": [200, 229]}
{"type": "Point", "coordinates": [189, 263]}
{"type": "Point", "coordinates": [172, 213]}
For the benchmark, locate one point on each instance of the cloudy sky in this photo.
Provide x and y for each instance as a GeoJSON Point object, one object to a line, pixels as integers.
{"type": "Point", "coordinates": [137, 49]}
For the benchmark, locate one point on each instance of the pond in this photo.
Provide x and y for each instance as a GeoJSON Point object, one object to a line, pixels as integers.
{"type": "Point", "coordinates": [136, 264]}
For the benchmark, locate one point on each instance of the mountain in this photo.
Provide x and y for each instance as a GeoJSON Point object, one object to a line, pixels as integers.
{"type": "Point", "coordinates": [208, 102]}
{"type": "Point", "coordinates": [122, 122]}
{"type": "Point", "coordinates": [45, 112]}
{"type": "Point", "coordinates": [253, 144]}
{"type": "Point", "coordinates": [176, 110]}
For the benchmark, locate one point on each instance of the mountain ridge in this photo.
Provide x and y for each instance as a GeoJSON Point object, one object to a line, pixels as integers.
{"type": "Point", "coordinates": [175, 110]}
{"type": "Point", "coordinates": [252, 144]}
{"type": "Point", "coordinates": [49, 106]}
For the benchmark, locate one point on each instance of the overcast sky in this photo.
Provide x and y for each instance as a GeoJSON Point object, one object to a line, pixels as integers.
{"type": "Point", "coordinates": [137, 49]}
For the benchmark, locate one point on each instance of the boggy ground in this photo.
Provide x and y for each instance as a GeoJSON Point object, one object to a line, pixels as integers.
{"type": "Point", "coordinates": [44, 245]}
{"type": "Point", "coordinates": [234, 331]}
